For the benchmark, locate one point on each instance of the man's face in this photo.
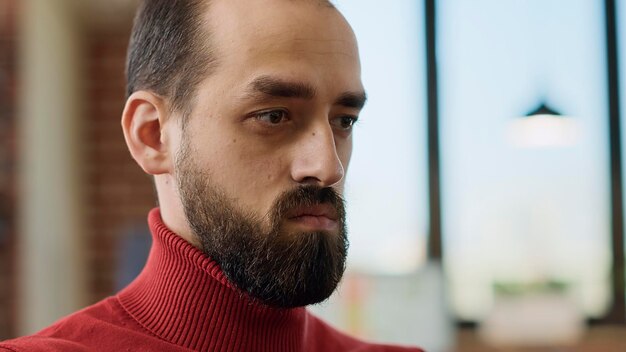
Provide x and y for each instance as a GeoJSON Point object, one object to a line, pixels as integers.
{"type": "Point", "coordinates": [264, 151]}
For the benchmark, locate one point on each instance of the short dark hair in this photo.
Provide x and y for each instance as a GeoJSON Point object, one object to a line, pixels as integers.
{"type": "Point", "coordinates": [168, 52]}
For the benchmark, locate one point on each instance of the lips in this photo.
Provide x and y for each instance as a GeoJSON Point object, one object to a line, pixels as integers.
{"type": "Point", "coordinates": [319, 210]}
{"type": "Point", "coordinates": [317, 217]}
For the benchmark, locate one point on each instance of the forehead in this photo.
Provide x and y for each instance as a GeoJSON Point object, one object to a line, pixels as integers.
{"type": "Point", "coordinates": [295, 37]}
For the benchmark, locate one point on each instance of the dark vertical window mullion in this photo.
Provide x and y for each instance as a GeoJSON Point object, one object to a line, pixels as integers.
{"type": "Point", "coordinates": [618, 310]}
{"type": "Point", "coordinates": [435, 251]}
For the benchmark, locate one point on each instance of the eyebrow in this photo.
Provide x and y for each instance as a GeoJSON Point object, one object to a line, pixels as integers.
{"type": "Point", "coordinates": [283, 89]}
{"type": "Point", "coordinates": [354, 100]}
{"type": "Point", "coordinates": [276, 87]}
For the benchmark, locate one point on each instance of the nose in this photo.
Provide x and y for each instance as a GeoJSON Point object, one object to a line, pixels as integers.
{"type": "Point", "coordinates": [316, 161]}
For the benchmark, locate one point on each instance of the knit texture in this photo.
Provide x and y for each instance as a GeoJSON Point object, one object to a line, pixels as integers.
{"type": "Point", "coordinates": [183, 302]}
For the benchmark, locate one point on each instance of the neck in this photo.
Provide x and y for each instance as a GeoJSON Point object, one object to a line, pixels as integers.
{"type": "Point", "coordinates": [171, 209]}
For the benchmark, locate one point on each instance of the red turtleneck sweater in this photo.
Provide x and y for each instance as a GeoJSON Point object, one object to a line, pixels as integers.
{"type": "Point", "coordinates": [183, 302]}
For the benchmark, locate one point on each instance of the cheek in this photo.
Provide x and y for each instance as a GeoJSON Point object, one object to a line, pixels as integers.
{"type": "Point", "coordinates": [261, 172]}
{"type": "Point", "coordinates": [245, 166]}
{"type": "Point", "coordinates": [249, 173]}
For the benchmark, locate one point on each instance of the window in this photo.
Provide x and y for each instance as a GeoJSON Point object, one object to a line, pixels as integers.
{"type": "Point", "coordinates": [524, 209]}
{"type": "Point", "coordinates": [386, 186]}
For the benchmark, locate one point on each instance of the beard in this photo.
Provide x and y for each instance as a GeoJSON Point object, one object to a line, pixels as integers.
{"type": "Point", "coordinates": [275, 267]}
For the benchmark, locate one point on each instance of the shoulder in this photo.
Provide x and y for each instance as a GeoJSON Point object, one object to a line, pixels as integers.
{"type": "Point", "coordinates": [97, 325]}
{"type": "Point", "coordinates": [323, 337]}
{"type": "Point", "coordinates": [36, 343]}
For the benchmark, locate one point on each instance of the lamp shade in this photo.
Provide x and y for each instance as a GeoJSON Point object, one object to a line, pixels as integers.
{"type": "Point", "coordinates": [543, 127]}
{"type": "Point", "coordinates": [543, 109]}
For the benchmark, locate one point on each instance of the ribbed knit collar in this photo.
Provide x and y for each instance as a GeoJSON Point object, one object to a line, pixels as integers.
{"type": "Point", "coordinates": [183, 297]}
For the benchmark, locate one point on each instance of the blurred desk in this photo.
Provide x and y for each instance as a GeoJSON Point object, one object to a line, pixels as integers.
{"type": "Point", "coordinates": [607, 338]}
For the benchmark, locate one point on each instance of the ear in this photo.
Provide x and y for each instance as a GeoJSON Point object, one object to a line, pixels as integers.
{"type": "Point", "coordinates": [143, 122]}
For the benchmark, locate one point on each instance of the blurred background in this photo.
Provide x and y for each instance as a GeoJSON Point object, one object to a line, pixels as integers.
{"type": "Point", "coordinates": [484, 196]}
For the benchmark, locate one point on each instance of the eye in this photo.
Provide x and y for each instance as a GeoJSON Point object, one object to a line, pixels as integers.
{"type": "Point", "coordinates": [272, 117]}
{"type": "Point", "coordinates": [345, 122]}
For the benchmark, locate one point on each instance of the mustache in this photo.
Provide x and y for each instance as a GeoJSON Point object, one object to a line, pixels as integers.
{"type": "Point", "coordinates": [306, 196]}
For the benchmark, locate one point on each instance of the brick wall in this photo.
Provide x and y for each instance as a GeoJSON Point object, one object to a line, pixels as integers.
{"type": "Point", "coordinates": [119, 194]}
{"type": "Point", "coordinates": [8, 10]}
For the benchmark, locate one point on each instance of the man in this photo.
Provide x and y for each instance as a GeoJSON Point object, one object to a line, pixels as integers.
{"type": "Point", "coordinates": [242, 110]}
